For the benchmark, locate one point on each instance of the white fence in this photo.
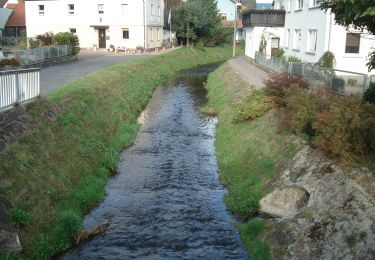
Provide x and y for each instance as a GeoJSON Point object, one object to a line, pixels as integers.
{"type": "Point", "coordinates": [339, 81]}
{"type": "Point", "coordinates": [17, 86]}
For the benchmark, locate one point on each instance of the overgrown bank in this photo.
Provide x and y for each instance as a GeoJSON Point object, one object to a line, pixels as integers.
{"type": "Point", "coordinates": [333, 217]}
{"type": "Point", "coordinates": [247, 153]}
{"type": "Point", "coordinates": [57, 170]}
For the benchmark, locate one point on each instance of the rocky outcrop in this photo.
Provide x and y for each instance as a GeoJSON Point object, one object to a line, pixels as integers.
{"type": "Point", "coordinates": [338, 221]}
{"type": "Point", "coordinates": [284, 203]}
{"type": "Point", "coordinates": [9, 241]}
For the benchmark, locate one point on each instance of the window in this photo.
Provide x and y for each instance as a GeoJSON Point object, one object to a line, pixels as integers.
{"type": "Point", "coordinates": [299, 4]}
{"type": "Point", "coordinates": [352, 42]}
{"type": "Point", "coordinates": [41, 9]}
{"type": "Point", "coordinates": [311, 41]}
{"type": "Point", "coordinates": [297, 39]}
{"type": "Point", "coordinates": [124, 8]}
{"type": "Point", "coordinates": [125, 33]}
{"type": "Point", "coordinates": [157, 34]}
{"type": "Point", "coordinates": [100, 8]}
{"type": "Point", "coordinates": [151, 35]}
{"type": "Point", "coordinates": [314, 2]}
{"type": "Point", "coordinates": [289, 5]}
{"type": "Point", "coordinates": [73, 30]}
{"type": "Point", "coordinates": [223, 16]}
{"type": "Point", "coordinates": [152, 10]}
{"type": "Point", "coordinates": [70, 8]}
{"type": "Point", "coordinates": [287, 36]}
{"type": "Point", "coordinates": [159, 11]}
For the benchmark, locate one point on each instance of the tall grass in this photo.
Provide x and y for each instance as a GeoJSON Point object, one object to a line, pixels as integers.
{"type": "Point", "coordinates": [246, 153]}
{"type": "Point", "coordinates": [59, 168]}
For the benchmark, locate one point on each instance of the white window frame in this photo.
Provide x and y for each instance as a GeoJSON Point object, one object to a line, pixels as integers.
{"type": "Point", "coordinates": [41, 9]}
{"type": "Point", "coordinates": [299, 4]}
{"type": "Point", "coordinates": [71, 11]}
{"type": "Point", "coordinates": [312, 37]}
{"type": "Point", "coordinates": [289, 5]}
{"type": "Point", "coordinates": [157, 34]}
{"type": "Point", "coordinates": [152, 9]}
{"type": "Point", "coordinates": [287, 38]}
{"type": "Point", "coordinates": [151, 35]}
{"type": "Point", "coordinates": [223, 15]}
{"type": "Point", "coordinates": [73, 29]}
{"type": "Point", "coordinates": [124, 30]}
{"type": "Point", "coordinates": [297, 39]}
{"type": "Point", "coordinates": [314, 3]}
{"type": "Point", "coordinates": [125, 8]}
{"type": "Point", "coordinates": [100, 8]}
{"type": "Point", "coordinates": [159, 11]}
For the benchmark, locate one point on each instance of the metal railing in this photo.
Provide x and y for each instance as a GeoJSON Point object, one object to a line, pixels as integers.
{"type": "Point", "coordinates": [39, 55]}
{"type": "Point", "coordinates": [339, 81]}
{"type": "Point", "coordinates": [18, 86]}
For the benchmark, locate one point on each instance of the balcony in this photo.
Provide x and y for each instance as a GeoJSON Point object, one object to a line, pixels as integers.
{"type": "Point", "coordinates": [263, 18]}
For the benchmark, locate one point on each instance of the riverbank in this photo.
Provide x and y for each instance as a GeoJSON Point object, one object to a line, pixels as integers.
{"type": "Point", "coordinates": [333, 216]}
{"type": "Point", "coordinates": [58, 167]}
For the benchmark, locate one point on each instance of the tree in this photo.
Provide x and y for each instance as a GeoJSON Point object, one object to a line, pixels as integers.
{"type": "Point", "coordinates": [196, 20]}
{"type": "Point", "coordinates": [357, 13]}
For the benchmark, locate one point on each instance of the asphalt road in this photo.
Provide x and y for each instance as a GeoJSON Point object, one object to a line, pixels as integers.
{"type": "Point", "coordinates": [57, 76]}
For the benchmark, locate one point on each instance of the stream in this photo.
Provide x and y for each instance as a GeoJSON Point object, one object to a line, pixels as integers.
{"type": "Point", "coordinates": [167, 201]}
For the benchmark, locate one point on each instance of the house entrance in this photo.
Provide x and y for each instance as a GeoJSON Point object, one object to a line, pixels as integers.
{"type": "Point", "coordinates": [102, 38]}
{"type": "Point", "coordinates": [275, 45]}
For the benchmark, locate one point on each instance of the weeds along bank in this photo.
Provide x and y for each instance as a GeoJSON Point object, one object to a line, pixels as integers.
{"type": "Point", "coordinates": [258, 151]}
{"type": "Point", "coordinates": [59, 167]}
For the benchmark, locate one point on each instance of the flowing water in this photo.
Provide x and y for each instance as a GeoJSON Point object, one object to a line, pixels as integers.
{"type": "Point", "coordinates": [166, 201]}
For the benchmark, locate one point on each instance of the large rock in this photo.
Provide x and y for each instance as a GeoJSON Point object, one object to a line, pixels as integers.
{"type": "Point", "coordinates": [285, 203]}
{"type": "Point", "coordinates": [9, 242]}
{"type": "Point", "coordinates": [5, 206]}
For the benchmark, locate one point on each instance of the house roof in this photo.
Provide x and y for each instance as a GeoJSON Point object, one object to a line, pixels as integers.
{"type": "Point", "coordinates": [4, 16]}
{"type": "Point", "coordinates": [17, 19]}
{"type": "Point", "coordinates": [2, 3]}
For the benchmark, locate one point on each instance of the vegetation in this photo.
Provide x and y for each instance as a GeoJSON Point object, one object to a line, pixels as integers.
{"type": "Point", "coordinates": [360, 14]}
{"type": "Point", "coordinates": [59, 168]}
{"type": "Point", "coordinates": [246, 153]}
{"type": "Point", "coordinates": [50, 39]}
{"type": "Point", "coordinates": [369, 94]}
{"type": "Point", "coordinates": [328, 60]}
{"type": "Point", "coordinates": [293, 59]}
{"type": "Point", "coordinates": [198, 20]}
{"type": "Point", "coordinates": [11, 62]}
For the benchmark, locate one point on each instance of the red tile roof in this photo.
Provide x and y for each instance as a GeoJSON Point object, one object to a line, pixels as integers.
{"type": "Point", "coordinates": [17, 18]}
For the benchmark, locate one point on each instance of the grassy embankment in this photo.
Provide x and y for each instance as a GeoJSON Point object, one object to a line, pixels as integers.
{"type": "Point", "coordinates": [59, 169]}
{"type": "Point", "coordinates": [247, 153]}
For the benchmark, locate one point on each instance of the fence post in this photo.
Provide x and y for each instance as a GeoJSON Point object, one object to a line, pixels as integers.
{"type": "Point", "coordinates": [303, 70]}
{"type": "Point", "coordinates": [58, 51]}
{"type": "Point", "coordinates": [17, 87]}
{"type": "Point", "coordinates": [25, 56]}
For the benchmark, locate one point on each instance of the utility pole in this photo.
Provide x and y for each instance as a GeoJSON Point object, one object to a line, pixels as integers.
{"type": "Point", "coordinates": [237, 5]}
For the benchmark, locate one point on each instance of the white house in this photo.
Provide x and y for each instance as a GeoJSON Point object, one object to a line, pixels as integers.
{"type": "Point", "coordinates": [310, 31]}
{"type": "Point", "coordinates": [98, 23]}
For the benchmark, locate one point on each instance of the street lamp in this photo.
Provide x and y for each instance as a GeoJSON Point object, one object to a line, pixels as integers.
{"type": "Point", "coordinates": [237, 5]}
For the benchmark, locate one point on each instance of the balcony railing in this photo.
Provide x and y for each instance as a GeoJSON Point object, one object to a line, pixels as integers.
{"type": "Point", "coordinates": [263, 18]}
{"type": "Point", "coordinates": [226, 23]}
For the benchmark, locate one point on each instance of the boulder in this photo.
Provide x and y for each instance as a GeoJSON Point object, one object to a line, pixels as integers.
{"type": "Point", "coordinates": [285, 203]}
{"type": "Point", "coordinates": [9, 242]}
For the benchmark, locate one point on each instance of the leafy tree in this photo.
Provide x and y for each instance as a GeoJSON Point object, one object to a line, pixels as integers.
{"type": "Point", "coordinates": [196, 20]}
{"type": "Point", "coordinates": [359, 13]}
{"type": "Point", "coordinates": [67, 38]}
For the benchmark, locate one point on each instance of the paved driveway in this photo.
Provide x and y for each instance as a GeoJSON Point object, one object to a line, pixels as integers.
{"type": "Point", "coordinates": [56, 76]}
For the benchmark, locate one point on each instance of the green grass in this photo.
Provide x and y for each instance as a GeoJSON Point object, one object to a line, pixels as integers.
{"type": "Point", "coordinates": [247, 152]}
{"type": "Point", "coordinates": [59, 168]}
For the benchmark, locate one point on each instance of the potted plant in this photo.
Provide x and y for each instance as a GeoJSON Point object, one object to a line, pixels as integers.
{"type": "Point", "coordinates": [174, 42]}
{"type": "Point", "coordinates": [140, 49]}
{"type": "Point", "coordinates": [94, 47]}
{"type": "Point", "coordinates": [112, 47]}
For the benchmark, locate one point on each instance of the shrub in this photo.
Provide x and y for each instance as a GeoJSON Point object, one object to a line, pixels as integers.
{"type": "Point", "coordinates": [302, 108]}
{"type": "Point", "coordinates": [253, 106]}
{"type": "Point", "coordinates": [369, 94]}
{"type": "Point", "coordinates": [277, 84]}
{"type": "Point", "coordinates": [279, 53]}
{"type": "Point", "coordinates": [328, 60]}
{"type": "Point", "coordinates": [70, 222]}
{"type": "Point", "coordinates": [67, 38]}
{"type": "Point", "coordinates": [337, 83]}
{"type": "Point", "coordinates": [293, 59]}
{"type": "Point", "coordinates": [44, 39]}
{"type": "Point", "coordinates": [352, 82]}
{"type": "Point", "coordinates": [368, 125]}
{"type": "Point", "coordinates": [338, 128]}
{"type": "Point", "coordinates": [12, 62]}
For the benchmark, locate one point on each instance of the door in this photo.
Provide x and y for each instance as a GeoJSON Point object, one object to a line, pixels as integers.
{"type": "Point", "coordinates": [102, 42]}
{"type": "Point", "coordinates": [275, 45]}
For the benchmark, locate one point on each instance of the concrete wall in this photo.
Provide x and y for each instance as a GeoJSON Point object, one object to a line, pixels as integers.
{"type": "Point", "coordinates": [86, 20]}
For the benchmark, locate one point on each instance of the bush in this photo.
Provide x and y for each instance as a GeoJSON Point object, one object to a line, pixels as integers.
{"type": "Point", "coordinates": [253, 106]}
{"type": "Point", "coordinates": [44, 39]}
{"type": "Point", "coordinates": [277, 84]}
{"type": "Point", "coordinates": [293, 59]}
{"type": "Point", "coordinates": [368, 126]}
{"type": "Point", "coordinates": [12, 62]}
{"type": "Point", "coordinates": [19, 217]}
{"type": "Point", "coordinates": [369, 94]}
{"type": "Point", "coordinates": [67, 38]}
{"type": "Point", "coordinates": [337, 83]}
{"type": "Point", "coordinates": [279, 53]}
{"type": "Point", "coordinates": [352, 82]}
{"type": "Point", "coordinates": [328, 60]}
{"type": "Point", "coordinates": [302, 108]}
{"type": "Point", "coordinates": [338, 128]}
